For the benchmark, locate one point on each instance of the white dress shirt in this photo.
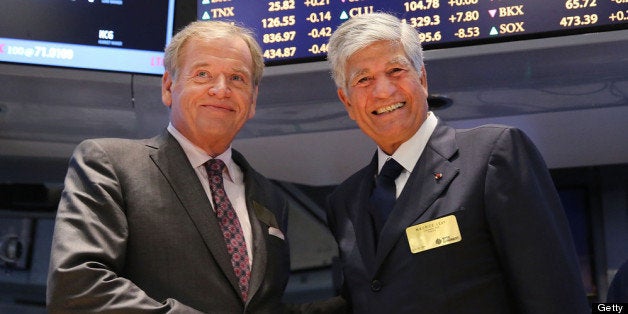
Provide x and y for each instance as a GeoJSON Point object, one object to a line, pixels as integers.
{"type": "Point", "coordinates": [407, 155]}
{"type": "Point", "coordinates": [233, 180]}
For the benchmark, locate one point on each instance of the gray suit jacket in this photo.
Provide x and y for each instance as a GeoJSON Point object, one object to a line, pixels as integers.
{"type": "Point", "coordinates": [135, 232]}
{"type": "Point", "coordinates": [516, 253]}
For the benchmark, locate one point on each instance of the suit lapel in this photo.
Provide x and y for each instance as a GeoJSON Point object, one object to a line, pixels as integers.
{"type": "Point", "coordinates": [258, 268]}
{"type": "Point", "coordinates": [358, 211]}
{"type": "Point", "coordinates": [430, 177]}
{"type": "Point", "coordinates": [176, 168]}
{"type": "Point", "coordinates": [259, 230]}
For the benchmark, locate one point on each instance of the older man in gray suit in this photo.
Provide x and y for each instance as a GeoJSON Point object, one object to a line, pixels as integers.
{"type": "Point", "coordinates": [179, 223]}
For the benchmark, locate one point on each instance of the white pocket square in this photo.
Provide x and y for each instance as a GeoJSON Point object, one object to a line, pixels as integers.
{"type": "Point", "coordinates": [276, 232]}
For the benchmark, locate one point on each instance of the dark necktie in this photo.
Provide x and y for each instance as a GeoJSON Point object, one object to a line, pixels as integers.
{"type": "Point", "coordinates": [230, 225]}
{"type": "Point", "coordinates": [384, 193]}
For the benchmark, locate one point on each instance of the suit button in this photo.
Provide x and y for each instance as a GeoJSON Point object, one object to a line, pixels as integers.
{"type": "Point", "coordinates": [376, 285]}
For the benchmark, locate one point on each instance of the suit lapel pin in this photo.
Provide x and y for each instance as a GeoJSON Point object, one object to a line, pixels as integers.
{"type": "Point", "coordinates": [438, 176]}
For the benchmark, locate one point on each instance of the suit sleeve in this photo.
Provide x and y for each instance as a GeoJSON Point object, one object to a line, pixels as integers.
{"type": "Point", "coordinates": [530, 229]}
{"type": "Point", "coordinates": [89, 244]}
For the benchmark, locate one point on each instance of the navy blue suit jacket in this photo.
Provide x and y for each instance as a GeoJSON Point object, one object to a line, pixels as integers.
{"type": "Point", "coordinates": [618, 290]}
{"type": "Point", "coordinates": [516, 253]}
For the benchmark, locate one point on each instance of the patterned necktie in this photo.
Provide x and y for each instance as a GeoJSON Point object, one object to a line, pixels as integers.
{"type": "Point", "coordinates": [230, 225]}
{"type": "Point", "coordinates": [383, 196]}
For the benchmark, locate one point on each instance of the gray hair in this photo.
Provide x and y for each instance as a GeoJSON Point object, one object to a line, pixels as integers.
{"type": "Point", "coordinates": [212, 30]}
{"type": "Point", "coordinates": [363, 30]}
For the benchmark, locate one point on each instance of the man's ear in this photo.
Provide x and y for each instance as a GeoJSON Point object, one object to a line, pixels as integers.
{"type": "Point", "coordinates": [166, 89]}
{"type": "Point", "coordinates": [254, 104]}
{"type": "Point", "coordinates": [424, 77]}
{"type": "Point", "coordinates": [345, 100]}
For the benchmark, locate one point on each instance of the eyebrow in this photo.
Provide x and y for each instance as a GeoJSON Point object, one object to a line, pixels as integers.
{"type": "Point", "coordinates": [399, 59]}
{"type": "Point", "coordinates": [360, 72]}
{"type": "Point", "coordinates": [396, 60]}
{"type": "Point", "coordinates": [236, 69]}
{"type": "Point", "coordinates": [242, 70]}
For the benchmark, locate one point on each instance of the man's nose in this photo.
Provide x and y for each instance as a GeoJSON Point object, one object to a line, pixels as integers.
{"type": "Point", "coordinates": [383, 88]}
{"type": "Point", "coordinates": [220, 87]}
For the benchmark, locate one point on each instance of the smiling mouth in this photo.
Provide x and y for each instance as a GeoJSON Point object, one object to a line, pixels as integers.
{"type": "Point", "coordinates": [388, 109]}
{"type": "Point", "coordinates": [217, 107]}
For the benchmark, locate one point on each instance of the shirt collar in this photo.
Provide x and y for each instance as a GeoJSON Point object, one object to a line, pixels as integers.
{"type": "Point", "coordinates": [199, 157]}
{"type": "Point", "coordinates": [408, 154]}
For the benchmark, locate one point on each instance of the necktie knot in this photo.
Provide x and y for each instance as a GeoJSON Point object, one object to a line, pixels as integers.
{"type": "Point", "coordinates": [391, 169]}
{"type": "Point", "coordinates": [215, 166]}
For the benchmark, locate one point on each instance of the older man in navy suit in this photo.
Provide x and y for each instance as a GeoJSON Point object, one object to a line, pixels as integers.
{"type": "Point", "coordinates": [441, 220]}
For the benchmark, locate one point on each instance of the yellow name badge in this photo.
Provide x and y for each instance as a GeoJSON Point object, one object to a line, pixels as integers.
{"type": "Point", "coordinates": [434, 233]}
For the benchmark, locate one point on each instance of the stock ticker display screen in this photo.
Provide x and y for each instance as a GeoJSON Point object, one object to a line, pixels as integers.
{"type": "Point", "coordinates": [116, 35]}
{"type": "Point", "coordinates": [298, 30]}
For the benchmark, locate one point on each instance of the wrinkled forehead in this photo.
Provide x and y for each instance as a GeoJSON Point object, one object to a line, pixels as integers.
{"type": "Point", "coordinates": [375, 57]}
